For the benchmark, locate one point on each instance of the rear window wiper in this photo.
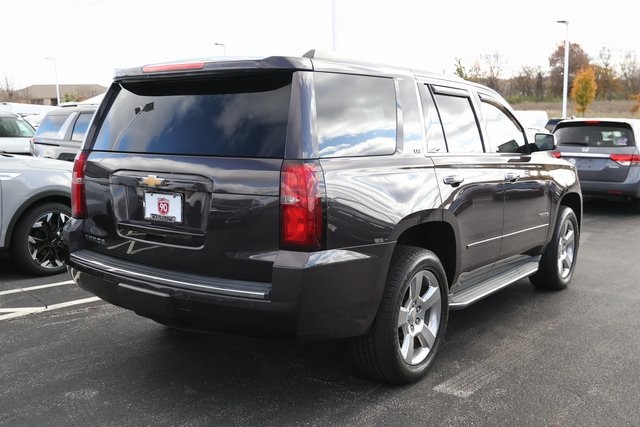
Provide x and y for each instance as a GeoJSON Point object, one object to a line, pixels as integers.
{"type": "Point", "coordinates": [149, 106]}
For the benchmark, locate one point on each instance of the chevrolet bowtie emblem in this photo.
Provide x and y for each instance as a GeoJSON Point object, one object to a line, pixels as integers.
{"type": "Point", "coordinates": [152, 180]}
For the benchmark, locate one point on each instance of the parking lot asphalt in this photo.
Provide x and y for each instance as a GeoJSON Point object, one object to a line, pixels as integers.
{"type": "Point", "coordinates": [519, 357]}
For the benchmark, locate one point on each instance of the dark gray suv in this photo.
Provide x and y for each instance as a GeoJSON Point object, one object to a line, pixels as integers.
{"type": "Point", "coordinates": [316, 199]}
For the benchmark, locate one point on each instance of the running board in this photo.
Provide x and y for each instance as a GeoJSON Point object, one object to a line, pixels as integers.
{"type": "Point", "coordinates": [471, 294]}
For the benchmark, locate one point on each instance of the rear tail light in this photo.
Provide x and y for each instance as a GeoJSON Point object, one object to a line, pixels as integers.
{"type": "Point", "coordinates": [78, 194]}
{"type": "Point", "coordinates": [301, 205]}
{"type": "Point", "coordinates": [626, 159]}
{"type": "Point", "coordinates": [556, 154]}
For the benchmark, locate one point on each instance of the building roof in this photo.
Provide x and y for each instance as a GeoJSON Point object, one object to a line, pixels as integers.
{"type": "Point", "coordinates": [49, 91]}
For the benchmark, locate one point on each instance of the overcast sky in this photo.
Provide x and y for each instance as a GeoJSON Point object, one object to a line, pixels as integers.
{"type": "Point", "coordinates": [91, 38]}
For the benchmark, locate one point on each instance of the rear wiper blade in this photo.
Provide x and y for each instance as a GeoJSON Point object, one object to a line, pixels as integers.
{"type": "Point", "coordinates": [149, 106]}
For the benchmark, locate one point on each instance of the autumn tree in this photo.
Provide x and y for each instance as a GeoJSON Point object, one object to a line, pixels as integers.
{"type": "Point", "coordinates": [578, 59]}
{"type": "Point", "coordinates": [583, 91]}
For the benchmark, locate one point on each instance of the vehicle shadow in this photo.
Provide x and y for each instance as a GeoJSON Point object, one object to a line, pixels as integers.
{"type": "Point", "coordinates": [10, 273]}
{"type": "Point", "coordinates": [611, 207]}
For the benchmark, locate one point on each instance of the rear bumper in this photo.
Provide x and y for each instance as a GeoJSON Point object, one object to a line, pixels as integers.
{"type": "Point", "coordinates": [629, 188]}
{"type": "Point", "coordinates": [611, 189]}
{"type": "Point", "coordinates": [313, 296]}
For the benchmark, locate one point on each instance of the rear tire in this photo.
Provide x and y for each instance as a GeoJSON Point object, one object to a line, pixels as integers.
{"type": "Point", "coordinates": [36, 244]}
{"type": "Point", "coordinates": [559, 259]}
{"type": "Point", "coordinates": [408, 330]}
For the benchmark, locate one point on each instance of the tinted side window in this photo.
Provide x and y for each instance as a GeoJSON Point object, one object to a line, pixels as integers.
{"type": "Point", "coordinates": [459, 123]}
{"type": "Point", "coordinates": [433, 127]}
{"type": "Point", "coordinates": [238, 116]}
{"type": "Point", "coordinates": [52, 126]}
{"type": "Point", "coordinates": [356, 115]}
{"type": "Point", "coordinates": [80, 128]}
{"type": "Point", "coordinates": [504, 135]}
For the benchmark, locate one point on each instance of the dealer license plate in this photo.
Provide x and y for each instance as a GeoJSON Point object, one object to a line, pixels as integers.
{"type": "Point", "coordinates": [163, 207]}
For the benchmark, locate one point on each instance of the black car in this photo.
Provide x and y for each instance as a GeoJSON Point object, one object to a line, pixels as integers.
{"type": "Point", "coordinates": [315, 198]}
{"type": "Point", "coordinates": [62, 131]}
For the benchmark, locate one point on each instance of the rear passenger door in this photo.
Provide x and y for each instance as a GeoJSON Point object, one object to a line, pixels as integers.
{"type": "Point", "coordinates": [527, 180]}
{"type": "Point", "coordinates": [470, 180]}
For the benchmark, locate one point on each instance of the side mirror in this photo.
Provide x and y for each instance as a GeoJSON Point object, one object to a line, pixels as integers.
{"type": "Point", "coordinates": [545, 141]}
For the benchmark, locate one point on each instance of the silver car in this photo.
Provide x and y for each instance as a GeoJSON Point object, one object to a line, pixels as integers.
{"type": "Point", "coordinates": [15, 134]}
{"type": "Point", "coordinates": [605, 153]}
{"type": "Point", "coordinates": [35, 198]}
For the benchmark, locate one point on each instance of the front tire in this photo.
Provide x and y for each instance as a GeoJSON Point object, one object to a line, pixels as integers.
{"type": "Point", "coordinates": [36, 245]}
{"type": "Point", "coordinates": [408, 330]}
{"type": "Point", "coordinates": [559, 259]}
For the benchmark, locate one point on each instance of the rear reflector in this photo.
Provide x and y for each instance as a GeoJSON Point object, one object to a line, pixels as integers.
{"type": "Point", "coordinates": [301, 205]}
{"type": "Point", "coordinates": [626, 159]}
{"type": "Point", "coordinates": [183, 66]}
{"type": "Point", "coordinates": [78, 194]}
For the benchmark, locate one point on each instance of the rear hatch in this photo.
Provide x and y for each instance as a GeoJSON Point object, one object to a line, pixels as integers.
{"type": "Point", "coordinates": [601, 150]}
{"type": "Point", "coordinates": [183, 173]}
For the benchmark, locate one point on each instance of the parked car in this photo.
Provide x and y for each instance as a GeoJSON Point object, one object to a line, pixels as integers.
{"type": "Point", "coordinates": [316, 198]}
{"type": "Point", "coordinates": [62, 131]}
{"type": "Point", "coordinates": [15, 133]}
{"type": "Point", "coordinates": [605, 152]}
{"type": "Point", "coordinates": [551, 123]}
{"type": "Point", "coordinates": [35, 204]}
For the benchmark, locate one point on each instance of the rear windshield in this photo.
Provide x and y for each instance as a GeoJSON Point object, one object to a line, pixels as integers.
{"type": "Point", "coordinates": [596, 134]}
{"type": "Point", "coordinates": [240, 117]}
{"type": "Point", "coordinates": [51, 126]}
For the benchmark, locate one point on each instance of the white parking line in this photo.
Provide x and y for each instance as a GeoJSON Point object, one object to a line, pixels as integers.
{"type": "Point", "coordinates": [23, 311]}
{"type": "Point", "coordinates": [33, 288]}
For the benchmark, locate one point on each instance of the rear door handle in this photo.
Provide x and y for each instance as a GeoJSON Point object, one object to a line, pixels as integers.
{"type": "Point", "coordinates": [511, 176]}
{"type": "Point", "coordinates": [453, 180]}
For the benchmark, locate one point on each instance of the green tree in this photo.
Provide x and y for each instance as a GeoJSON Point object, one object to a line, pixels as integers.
{"type": "Point", "coordinates": [583, 91]}
{"type": "Point", "coordinates": [69, 97]}
{"type": "Point", "coordinates": [461, 71]}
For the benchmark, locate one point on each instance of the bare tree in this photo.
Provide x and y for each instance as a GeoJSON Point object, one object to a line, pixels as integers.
{"type": "Point", "coordinates": [524, 82]}
{"type": "Point", "coordinates": [8, 89]}
{"type": "Point", "coordinates": [630, 74]}
{"type": "Point", "coordinates": [606, 78]}
{"type": "Point", "coordinates": [493, 64]}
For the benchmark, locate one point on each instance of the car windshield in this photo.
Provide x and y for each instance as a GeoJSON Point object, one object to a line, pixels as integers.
{"type": "Point", "coordinates": [15, 127]}
{"type": "Point", "coordinates": [595, 135]}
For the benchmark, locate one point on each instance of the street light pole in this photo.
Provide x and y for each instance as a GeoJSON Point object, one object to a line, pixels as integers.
{"type": "Point", "coordinates": [565, 86]}
{"type": "Point", "coordinates": [333, 26]}
{"type": "Point", "coordinates": [55, 72]}
{"type": "Point", "coordinates": [224, 48]}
